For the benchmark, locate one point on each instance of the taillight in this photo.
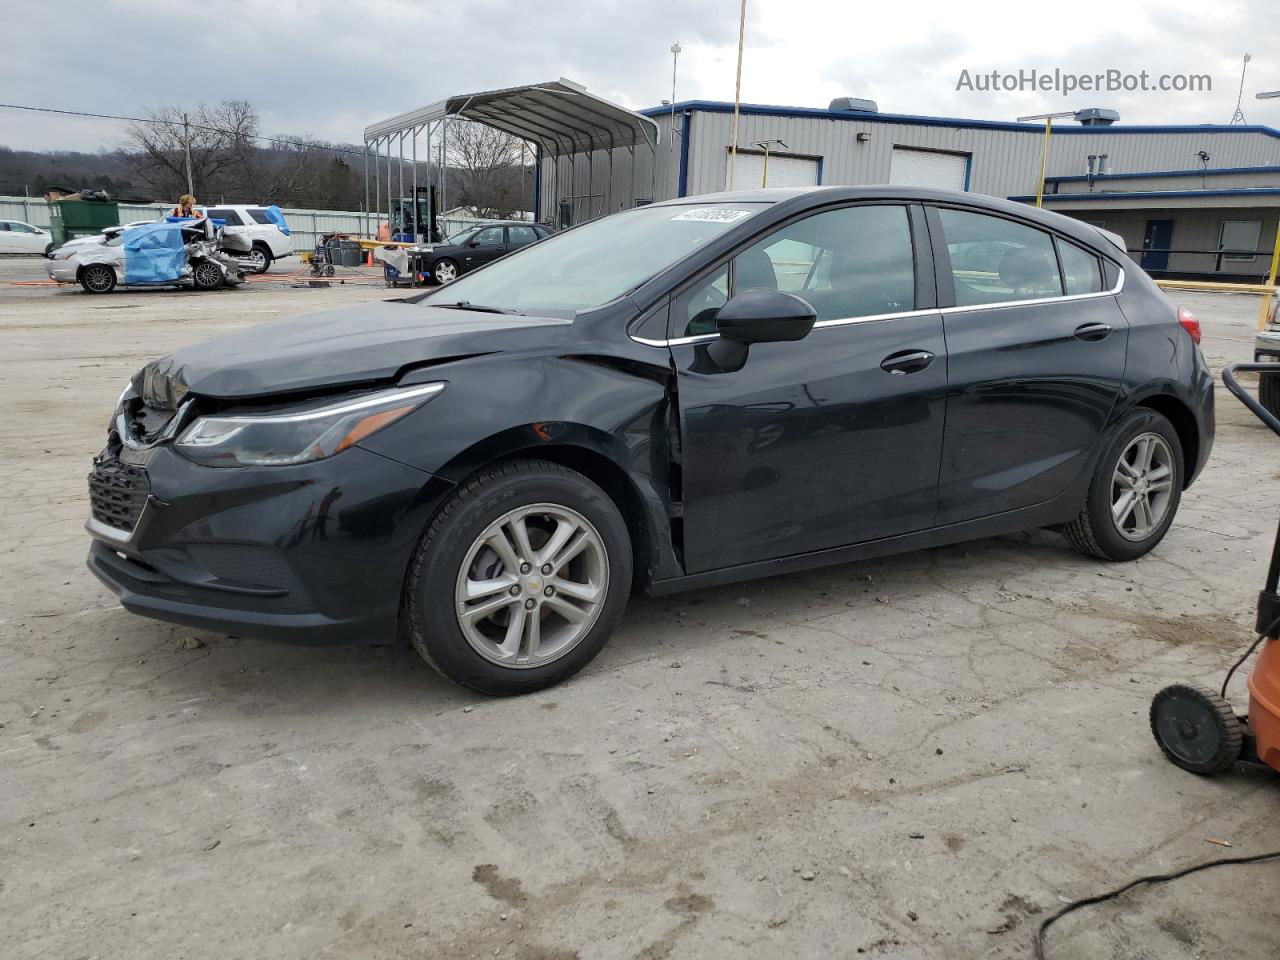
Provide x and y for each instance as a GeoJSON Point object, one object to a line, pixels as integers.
{"type": "Point", "coordinates": [1190, 322]}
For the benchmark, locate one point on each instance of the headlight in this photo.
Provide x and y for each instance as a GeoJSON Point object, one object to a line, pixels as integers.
{"type": "Point", "coordinates": [299, 434]}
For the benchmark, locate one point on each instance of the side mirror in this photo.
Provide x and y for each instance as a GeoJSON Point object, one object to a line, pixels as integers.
{"type": "Point", "coordinates": [765, 316]}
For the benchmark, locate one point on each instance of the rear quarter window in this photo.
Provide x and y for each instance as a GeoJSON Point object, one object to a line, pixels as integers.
{"type": "Point", "coordinates": [260, 216]}
{"type": "Point", "coordinates": [1080, 270]}
{"type": "Point", "coordinates": [232, 218]}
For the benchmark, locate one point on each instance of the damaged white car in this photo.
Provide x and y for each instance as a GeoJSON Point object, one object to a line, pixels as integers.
{"type": "Point", "coordinates": [194, 254]}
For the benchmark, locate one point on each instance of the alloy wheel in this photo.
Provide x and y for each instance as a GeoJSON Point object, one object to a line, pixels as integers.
{"type": "Point", "coordinates": [98, 279]}
{"type": "Point", "coordinates": [207, 275]}
{"type": "Point", "coordinates": [532, 585]}
{"type": "Point", "coordinates": [446, 272]}
{"type": "Point", "coordinates": [1142, 486]}
{"type": "Point", "coordinates": [257, 261]}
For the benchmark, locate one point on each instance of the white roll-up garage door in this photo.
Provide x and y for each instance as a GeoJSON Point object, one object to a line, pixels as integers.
{"type": "Point", "coordinates": [783, 171]}
{"type": "Point", "coordinates": [928, 168]}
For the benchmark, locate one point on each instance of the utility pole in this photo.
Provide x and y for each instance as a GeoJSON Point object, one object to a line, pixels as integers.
{"type": "Point", "coordinates": [737, 92]}
{"type": "Point", "coordinates": [186, 148]}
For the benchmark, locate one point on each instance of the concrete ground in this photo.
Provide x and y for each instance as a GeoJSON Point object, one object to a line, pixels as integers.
{"type": "Point", "coordinates": [914, 757]}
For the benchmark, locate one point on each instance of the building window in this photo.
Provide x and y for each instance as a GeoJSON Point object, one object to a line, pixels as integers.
{"type": "Point", "coordinates": [1240, 235]}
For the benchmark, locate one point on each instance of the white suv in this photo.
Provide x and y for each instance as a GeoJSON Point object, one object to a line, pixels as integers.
{"type": "Point", "coordinates": [255, 222]}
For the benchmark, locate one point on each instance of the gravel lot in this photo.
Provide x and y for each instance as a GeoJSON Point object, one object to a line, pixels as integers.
{"type": "Point", "coordinates": [740, 773]}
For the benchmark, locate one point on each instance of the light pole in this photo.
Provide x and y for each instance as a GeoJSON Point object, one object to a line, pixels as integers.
{"type": "Point", "coordinates": [764, 145]}
{"type": "Point", "coordinates": [1048, 119]}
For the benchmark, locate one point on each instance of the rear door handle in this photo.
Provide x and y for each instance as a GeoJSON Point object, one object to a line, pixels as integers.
{"type": "Point", "coordinates": [1090, 332]}
{"type": "Point", "coordinates": [906, 361]}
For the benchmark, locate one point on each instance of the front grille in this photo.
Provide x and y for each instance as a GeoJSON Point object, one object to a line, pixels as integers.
{"type": "Point", "coordinates": [117, 493]}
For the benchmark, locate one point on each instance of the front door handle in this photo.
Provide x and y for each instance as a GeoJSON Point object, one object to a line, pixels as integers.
{"type": "Point", "coordinates": [906, 361]}
{"type": "Point", "coordinates": [1089, 332]}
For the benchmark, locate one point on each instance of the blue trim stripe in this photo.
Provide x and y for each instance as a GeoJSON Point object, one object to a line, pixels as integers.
{"type": "Point", "coordinates": [769, 110]}
{"type": "Point", "coordinates": [1212, 172]}
{"type": "Point", "coordinates": [1153, 194]}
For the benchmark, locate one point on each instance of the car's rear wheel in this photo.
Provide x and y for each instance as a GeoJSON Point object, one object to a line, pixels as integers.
{"type": "Point", "coordinates": [98, 278]}
{"type": "Point", "coordinates": [520, 579]}
{"type": "Point", "coordinates": [1135, 491]}
{"type": "Point", "coordinates": [48, 250]}
{"type": "Point", "coordinates": [259, 259]}
{"type": "Point", "coordinates": [206, 275]}
{"type": "Point", "coordinates": [444, 271]}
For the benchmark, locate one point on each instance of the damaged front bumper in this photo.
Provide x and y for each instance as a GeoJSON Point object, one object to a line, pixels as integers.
{"type": "Point", "coordinates": [310, 553]}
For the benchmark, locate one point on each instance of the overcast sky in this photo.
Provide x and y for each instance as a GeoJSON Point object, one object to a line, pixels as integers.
{"type": "Point", "coordinates": [327, 68]}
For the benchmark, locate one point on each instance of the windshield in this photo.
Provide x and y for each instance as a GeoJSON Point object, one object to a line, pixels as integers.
{"type": "Point", "coordinates": [597, 262]}
{"type": "Point", "coordinates": [461, 236]}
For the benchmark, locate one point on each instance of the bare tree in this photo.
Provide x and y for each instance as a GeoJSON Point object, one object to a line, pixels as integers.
{"type": "Point", "coordinates": [487, 168]}
{"type": "Point", "coordinates": [218, 139]}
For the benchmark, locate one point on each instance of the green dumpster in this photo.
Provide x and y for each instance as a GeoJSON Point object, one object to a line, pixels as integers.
{"type": "Point", "coordinates": [80, 218]}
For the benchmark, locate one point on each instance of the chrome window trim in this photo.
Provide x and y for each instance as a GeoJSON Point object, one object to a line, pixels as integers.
{"type": "Point", "coordinates": [875, 318]}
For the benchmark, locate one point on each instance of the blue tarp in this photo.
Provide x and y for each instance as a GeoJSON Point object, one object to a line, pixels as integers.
{"type": "Point", "coordinates": [154, 253]}
{"type": "Point", "coordinates": [277, 217]}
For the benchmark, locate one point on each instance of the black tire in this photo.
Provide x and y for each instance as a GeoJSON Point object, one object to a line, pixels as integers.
{"type": "Point", "coordinates": [206, 275]}
{"type": "Point", "coordinates": [433, 574]}
{"type": "Point", "coordinates": [1269, 392]}
{"type": "Point", "coordinates": [1196, 729]}
{"type": "Point", "coordinates": [48, 251]}
{"type": "Point", "coordinates": [1093, 531]}
{"type": "Point", "coordinates": [98, 278]}
{"type": "Point", "coordinates": [445, 264]}
{"type": "Point", "coordinates": [260, 258]}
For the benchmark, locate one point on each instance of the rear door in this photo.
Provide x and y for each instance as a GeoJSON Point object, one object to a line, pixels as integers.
{"type": "Point", "coordinates": [831, 440]}
{"type": "Point", "coordinates": [518, 237]}
{"type": "Point", "coordinates": [1036, 353]}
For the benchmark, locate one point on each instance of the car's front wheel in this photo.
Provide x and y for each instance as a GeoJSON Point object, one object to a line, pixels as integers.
{"type": "Point", "coordinates": [206, 275]}
{"type": "Point", "coordinates": [98, 278]}
{"type": "Point", "coordinates": [520, 579]}
{"type": "Point", "coordinates": [444, 271]}
{"type": "Point", "coordinates": [1136, 488]}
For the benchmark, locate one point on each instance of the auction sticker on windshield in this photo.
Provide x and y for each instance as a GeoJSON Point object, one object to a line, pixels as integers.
{"type": "Point", "coordinates": [713, 215]}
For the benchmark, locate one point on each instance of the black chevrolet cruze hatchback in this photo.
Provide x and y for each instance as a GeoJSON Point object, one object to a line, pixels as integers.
{"type": "Point", "coordinates": [680, 395]}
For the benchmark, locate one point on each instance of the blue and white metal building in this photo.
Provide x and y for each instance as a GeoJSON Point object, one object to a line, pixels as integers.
{"type": "Point", "coordinates": [1190, 200]}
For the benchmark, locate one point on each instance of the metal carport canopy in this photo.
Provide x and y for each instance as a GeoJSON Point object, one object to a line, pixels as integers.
{"type": "Point", "coordinates": [560, 116]}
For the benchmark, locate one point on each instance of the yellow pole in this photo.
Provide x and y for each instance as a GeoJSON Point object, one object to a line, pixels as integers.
{"type": "Point", "coordinates": [1044, 160]}
{"type": "Point", "coordinates": [764, 177]}
{"type": "Point", "coordinates": [737, 92]}
{"type": "Point", "coordinates": [1271, 282]}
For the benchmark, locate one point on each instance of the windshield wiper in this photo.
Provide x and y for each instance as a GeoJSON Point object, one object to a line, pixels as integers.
{"type": "Point", "coordinates": [477, 307]}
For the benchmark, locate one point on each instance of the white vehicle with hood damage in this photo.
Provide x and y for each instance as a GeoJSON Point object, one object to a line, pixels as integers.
{"type": "Point", "coordinates": [194, 254]}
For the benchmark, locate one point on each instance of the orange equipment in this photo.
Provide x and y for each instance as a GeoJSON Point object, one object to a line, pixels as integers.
{"type": "Point", "coordinates": [1195, 727]}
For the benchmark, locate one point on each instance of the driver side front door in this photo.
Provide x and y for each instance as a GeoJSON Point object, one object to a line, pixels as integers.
{"type": "Point", "coordinates": [830, 440]}
{"type": "Point", "coordinates": [487, 245]}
